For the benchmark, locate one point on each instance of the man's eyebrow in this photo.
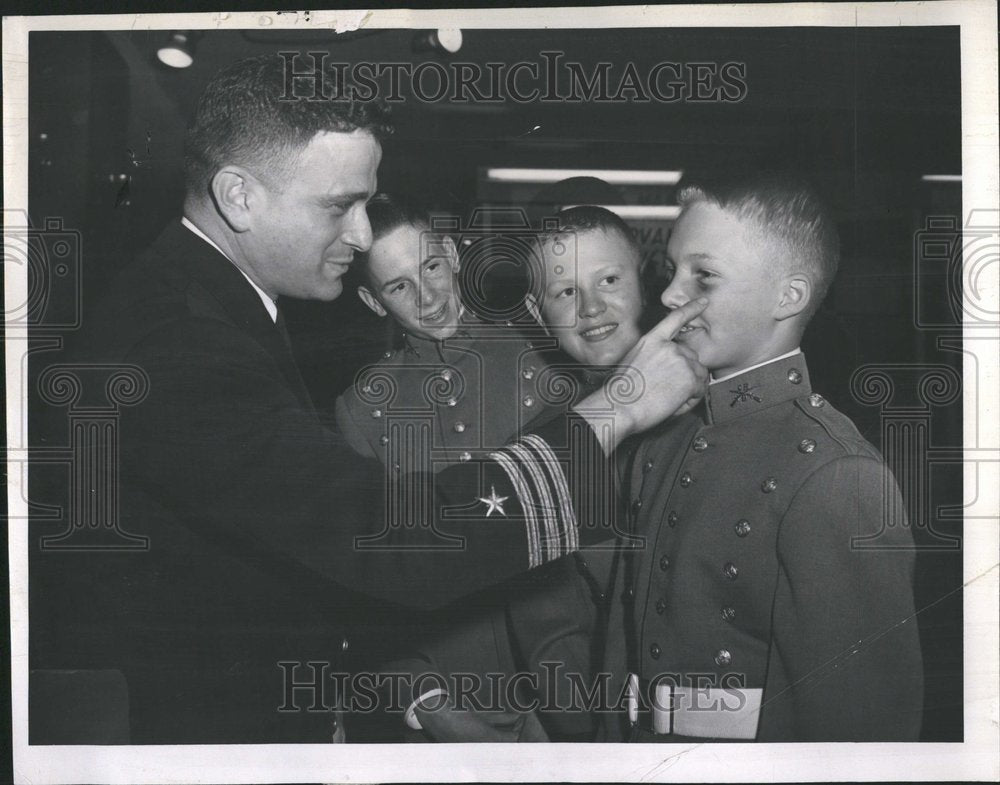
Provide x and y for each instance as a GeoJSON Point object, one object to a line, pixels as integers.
{"type": "Point", "coordinates": [331, 199]}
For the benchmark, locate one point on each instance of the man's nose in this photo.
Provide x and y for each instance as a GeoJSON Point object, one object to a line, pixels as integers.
{"type": "Point", "coordinates": [358, 232]}
{"type": "Point", "coordinates": [591, 304]}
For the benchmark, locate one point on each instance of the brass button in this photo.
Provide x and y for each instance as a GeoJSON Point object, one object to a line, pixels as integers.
{"type": "Point", "coordinates": [661, 606]}
{"type": "Point", "coordinates": [686, 480]}
{"type": "Point", "coordinates": [386, 355]}
{"type": "Point", "coordinates": [654, 651]}
{"type": "Point", "coordinates": [664, 563]}
{"type": "Point", "coordinates": [366, 389]}
{"type": "Point", "coordinates": [672, 519]}
{"type": "Point", "coordinates": [629, 593]}
{"type": "Point", "coordinates": [395, 467]}
{"type": "Point", "coordinates": [730, 571]}
{"type": "Point", "coordinates": [700, 444]}
{"type": "Point", "coordinates": [376, 413]}
{"type": "Point", "coordinates": [446, 375]}
{"type": "Point", "coordinates": [528, 400]}
{"type": "Point", "coordinates": [816, 401]}
{"type": "Point", "coordinates": [529, 372]}
{"type": "Point", "coordinates": [459, 427]}
{"type": "Point", "coordinates": [529, 345]}
{"type": "Point", "coordinates": [465, 456]}
{"type": "Point", "coordinates": [383, 440]}
{"type": "Point", "coordinates": [647, 466]}
{"type": "Point", "coordinates": [452, 401]}
{"type": "Point", "coordinates": [742, 527]}
{"type": "Point", "coordinates": [723, 657]}
{"type": "Point", "coordinates": [769, 485]}
{"type": "Point", "coordinates": [728, 613]}
{"type": "Point", "coordinates": [807, 446]}
{"type": "Point", "coordinates": [636, 506]}
{"type": "Point", "coordinates": [794, 376]}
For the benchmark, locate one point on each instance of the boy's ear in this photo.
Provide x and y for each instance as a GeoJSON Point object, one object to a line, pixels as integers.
{"type": "Point", "coordinates": [235, 192]}
{"type": "Point", "coordinates": [531, 305]}
{"type": "Point", "coordinates": [369, 299]}
{"type": "Point", "coordinates": [796, 292]}
{"type": "Point", "coordinates": [452, 253]}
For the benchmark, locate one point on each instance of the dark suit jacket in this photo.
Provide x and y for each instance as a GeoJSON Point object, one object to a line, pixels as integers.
{"type": "Point", "coordinates": [252, 509]}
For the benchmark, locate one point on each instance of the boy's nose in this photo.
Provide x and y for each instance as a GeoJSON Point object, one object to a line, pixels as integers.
{"type": "Point", "coordinates": [673, 296]}
{"type": "Point", "coordinates": [591, 305]}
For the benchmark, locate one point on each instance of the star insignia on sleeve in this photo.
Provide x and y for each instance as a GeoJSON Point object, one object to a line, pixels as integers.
{"type": "Point", "coordinates": [494, 502]}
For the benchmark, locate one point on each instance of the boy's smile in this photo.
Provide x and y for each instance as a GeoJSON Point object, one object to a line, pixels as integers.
{"type": "Point", "coordinates": [717, 255]}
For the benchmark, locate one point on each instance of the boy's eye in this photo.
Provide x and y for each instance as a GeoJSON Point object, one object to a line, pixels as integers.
{"type": "Point", "coordinates": [611, 279]}
{"type": "Point", "coordinates": [432, 267]}
{"type": "Point", "coordinates": [569, 291]}
{"type": "Point", "coordinates": [398, 288]}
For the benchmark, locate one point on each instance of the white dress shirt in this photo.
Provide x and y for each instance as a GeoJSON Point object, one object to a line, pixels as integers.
{"type": "Point", "coordinates": [272, 307]}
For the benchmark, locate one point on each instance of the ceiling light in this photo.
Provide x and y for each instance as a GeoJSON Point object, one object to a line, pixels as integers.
{"type": "Point", "coordinates": [178, 52]}
{"type": "Point", "coordinates": [446, 40]}
{"type": "Point", "coordinates": [612, 176]}
{"type": "Point", "coordinates": [640, 212]}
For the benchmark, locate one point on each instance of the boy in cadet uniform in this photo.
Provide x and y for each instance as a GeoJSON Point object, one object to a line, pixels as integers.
{"type": "Point", "coordinates": [756, 609]}
{"type": "Point", "coordinates": [472, 386]}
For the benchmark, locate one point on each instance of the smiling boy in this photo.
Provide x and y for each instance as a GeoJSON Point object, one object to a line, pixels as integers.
{"type": "Point", "coordinates": [757, 609]}
{"type": "Point", "coordinates": [472, 386]}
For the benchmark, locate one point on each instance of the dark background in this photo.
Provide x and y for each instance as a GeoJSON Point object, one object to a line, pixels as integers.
{"type": "Point", "coordinates": [864, 113]}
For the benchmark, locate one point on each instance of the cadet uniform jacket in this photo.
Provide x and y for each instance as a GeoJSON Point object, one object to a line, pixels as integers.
{"type": "Point", "coordinates": [777, 561]}
{"type": "Point", "coordinates": [430, 404]}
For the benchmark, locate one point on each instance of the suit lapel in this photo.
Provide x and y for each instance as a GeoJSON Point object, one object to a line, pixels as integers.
{"type": "Point", "coordinates": [224, 282]}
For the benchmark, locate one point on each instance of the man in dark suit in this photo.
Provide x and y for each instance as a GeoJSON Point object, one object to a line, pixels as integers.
{"type": "Point", "coordinates": [257, 516]}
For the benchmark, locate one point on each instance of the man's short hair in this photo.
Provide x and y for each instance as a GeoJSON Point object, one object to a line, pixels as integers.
{"type": "Point", "coordinates": [245, 117]}
{"type": "Point", "coordinates": [783, 209]}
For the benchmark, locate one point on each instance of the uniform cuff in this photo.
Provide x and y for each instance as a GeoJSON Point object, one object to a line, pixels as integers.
{"type": "Point", "coordinates": [411, 716]}
{"type": "Point", "coordinates": [565, 485]}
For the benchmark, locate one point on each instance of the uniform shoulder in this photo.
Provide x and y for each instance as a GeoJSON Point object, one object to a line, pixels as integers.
{"type": "Point", "coordinates": [835, 426]}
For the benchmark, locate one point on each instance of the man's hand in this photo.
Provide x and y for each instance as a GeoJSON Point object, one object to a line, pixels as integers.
{"type": "Point", "coordinates": [450, 724]}
{"type": "Point", "coordinates": [657, 379]}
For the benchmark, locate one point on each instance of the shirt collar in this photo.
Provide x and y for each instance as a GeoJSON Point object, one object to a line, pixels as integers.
{"type": "Point", "coordinates": [269, 304]}
{"type": "Point", "coordinates": [759, 387]}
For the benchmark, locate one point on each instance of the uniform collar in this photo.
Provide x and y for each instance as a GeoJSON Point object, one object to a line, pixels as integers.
{"type": "Point", "coordinates": [428, 348]}
{"type": "Point", "coordinates": [757, 388]}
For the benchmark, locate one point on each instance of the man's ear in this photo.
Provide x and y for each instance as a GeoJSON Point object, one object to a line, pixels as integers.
{"type": "Point", "coordinates": [451, 251]}
{"type": "Point", "coordinates": [796, 292]}
{"type": "Point", "coordinates": [369, 299]}
{"type": "Point", "coordinates": [235, 192]}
